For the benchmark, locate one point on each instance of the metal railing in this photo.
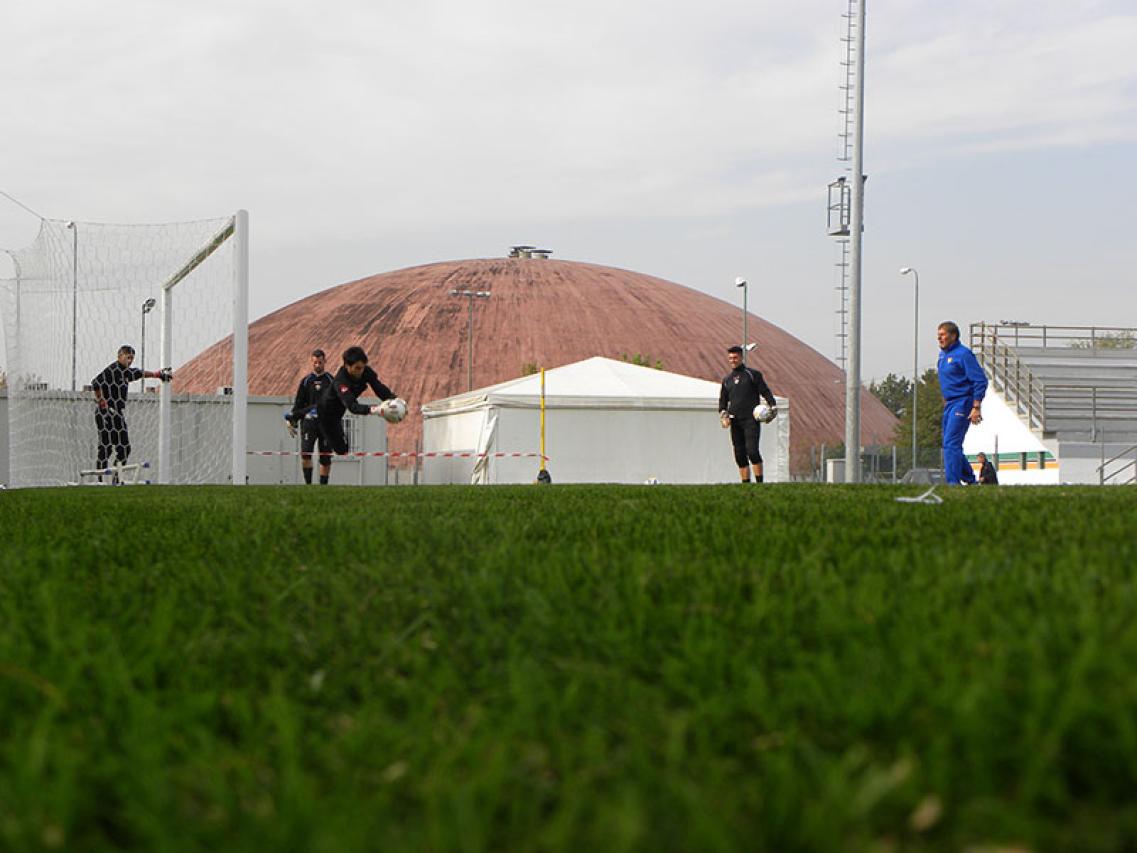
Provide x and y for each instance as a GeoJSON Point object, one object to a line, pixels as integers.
{"type": "Point", "coordinates": [1057, 337]}
{"type": "Point", "coordinates": [1105, 476]}
{"type": "Point", "coordinates": [1049, 406]}
{"type": "Point", "coordinates": [1009, 374]}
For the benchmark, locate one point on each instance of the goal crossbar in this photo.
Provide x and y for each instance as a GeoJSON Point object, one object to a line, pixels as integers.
{"type": "Point", "coordinates": [200, 258]}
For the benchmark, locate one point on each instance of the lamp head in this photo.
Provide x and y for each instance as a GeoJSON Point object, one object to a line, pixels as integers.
{"type": "Point", "coordinates": [740, 282]}
{"type": "Point", "coordinates": [906, 270]}
{"type": "Point", "coordinates": [148, 305]}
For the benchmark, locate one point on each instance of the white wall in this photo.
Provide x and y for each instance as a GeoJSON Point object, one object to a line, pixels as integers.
{"type": "Point", "coordinates": [266, 432]}
{"type": "Point", "coordinates": [1078, 462]}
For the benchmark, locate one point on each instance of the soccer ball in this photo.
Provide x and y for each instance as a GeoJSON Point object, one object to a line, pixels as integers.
{"type": "Point", "coordinates": [763, 413]}
{"type": "Point", "coordinates": [394, 410]}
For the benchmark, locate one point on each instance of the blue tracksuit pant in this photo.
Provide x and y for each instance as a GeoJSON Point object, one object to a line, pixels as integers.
{"type": "Point", "coordinates": [956, 468]}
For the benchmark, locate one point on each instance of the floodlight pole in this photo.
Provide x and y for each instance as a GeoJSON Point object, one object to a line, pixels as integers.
{"type": "Point", "coordinates": [741, 282]}
{"type": "Point", "coordinates": [146, 307]}
{"type": "Point", "coordinates": [856, 229]}
{"type": "Point", "coordinates": [74, 298]}
{"type": "Point", "coordinates": [470, 296]}
{"type": "Point", "coordinates": [915, 353]}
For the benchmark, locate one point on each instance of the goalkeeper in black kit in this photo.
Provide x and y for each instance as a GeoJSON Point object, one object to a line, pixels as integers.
{"type": "Point", "coordinates": [342, 396]}
{"type": "Point", "coordinates": [742, 389]}
{"type": "Point", "coordinates": [304, 415]}
{"type": "Point", "coordinates": [110, 388]}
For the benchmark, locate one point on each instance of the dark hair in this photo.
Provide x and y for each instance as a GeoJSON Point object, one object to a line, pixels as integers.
{"type": "Point", "coordinates": [949, 327]}
{"type": "Point", "coordinates": [735, 348]}
{"type": "Point", "coordinates": [318, 352]}
{"type": "Point", "coordinates": [354, 355]}
{"type": "Point", "coordinates": [126, 348]}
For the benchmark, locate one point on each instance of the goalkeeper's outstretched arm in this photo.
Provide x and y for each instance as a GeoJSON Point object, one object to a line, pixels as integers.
{"type": "Point", "coordinates": [381, 390]}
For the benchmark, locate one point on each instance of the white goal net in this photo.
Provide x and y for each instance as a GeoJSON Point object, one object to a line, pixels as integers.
{"type": "Point", "coordinates": [83, 290]}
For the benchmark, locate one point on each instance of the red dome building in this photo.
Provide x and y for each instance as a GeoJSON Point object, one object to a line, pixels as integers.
{"type": "Point", "coordinates": [541, 312]}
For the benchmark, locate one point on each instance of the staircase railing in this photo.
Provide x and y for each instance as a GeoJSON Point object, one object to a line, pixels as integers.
{"type": "Point", "coordinates": [1009, 374]}
{"type": "Point", "coordinates": [1111, 476]}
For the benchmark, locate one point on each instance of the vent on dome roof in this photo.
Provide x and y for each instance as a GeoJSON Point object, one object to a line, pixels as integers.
{"type": "Point", "coordinates": [529, 252]}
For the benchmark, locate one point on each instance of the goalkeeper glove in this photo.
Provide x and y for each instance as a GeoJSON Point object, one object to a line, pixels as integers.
{"type": "Point", "coordinates": [166, 374]}
{"type": "Point", "coordinates": [291, 429]}
{"type": "Point", "coordinates": [724, 419]}
{"type": "Point", "coordinates": [377, 410]}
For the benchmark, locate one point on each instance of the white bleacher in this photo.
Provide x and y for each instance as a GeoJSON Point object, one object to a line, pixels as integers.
{"type": "Point", "coordinates": [1074, 387]}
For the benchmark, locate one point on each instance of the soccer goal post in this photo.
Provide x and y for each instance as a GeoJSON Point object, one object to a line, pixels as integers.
{"type": "Point", "coordinates": [82, 291]}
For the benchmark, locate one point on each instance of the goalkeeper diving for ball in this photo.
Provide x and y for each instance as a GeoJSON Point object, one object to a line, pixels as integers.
{"type": "Point", "coordinates": [110, 388]}
{"type": "Point", "coordinates": [342, 396]}
{"type": "Point", "coordinates": [304, 412]}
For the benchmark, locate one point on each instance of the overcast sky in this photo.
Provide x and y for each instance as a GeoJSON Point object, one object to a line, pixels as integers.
{"type": "Point", "coordinates": [691, 141]}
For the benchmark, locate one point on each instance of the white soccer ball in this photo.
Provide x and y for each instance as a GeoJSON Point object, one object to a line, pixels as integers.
{"type": "Point", "coordinates": [393, 411]}
{"type": "Point", "coordinates": [763, 413]}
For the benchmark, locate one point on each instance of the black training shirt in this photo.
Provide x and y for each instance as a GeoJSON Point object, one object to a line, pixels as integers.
{"type": "Point", "coordinates": [342, 393]}
{"type": "Point", "coordinates": [308, 394]}
{"type": "Point", "coordinates": [114, 381]}
{"type": "Point", "coordinates": [741, 389]}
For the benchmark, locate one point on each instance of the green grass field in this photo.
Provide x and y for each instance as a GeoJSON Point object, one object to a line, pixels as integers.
{"type": "Point", "coordinates": [567, 668]}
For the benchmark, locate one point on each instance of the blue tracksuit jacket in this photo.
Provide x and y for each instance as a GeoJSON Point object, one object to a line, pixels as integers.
{"type": "Point", "coordinates": [962, 381]}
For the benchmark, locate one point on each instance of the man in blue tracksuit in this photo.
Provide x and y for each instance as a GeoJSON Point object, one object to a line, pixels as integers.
{"type": "Point", "coordinates": [963, 385]}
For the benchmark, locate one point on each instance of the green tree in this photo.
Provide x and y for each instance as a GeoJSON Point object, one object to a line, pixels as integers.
{"type": "Point", "coordinates": [929, 426]}
{"type": "Point", "coordinates": [643, 361]}
{"type": "Point", "coordinates": [894, 391]}
{"type": "Point", "coordinates": [1125, 339]}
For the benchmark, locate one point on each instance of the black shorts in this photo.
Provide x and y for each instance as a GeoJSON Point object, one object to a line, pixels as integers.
{"type": "Point", "coordinates": [310, 436]}
{"type": "Point", "coordinates": [331, 429]}
{"type": "Point", "coordinates": [744, 435]}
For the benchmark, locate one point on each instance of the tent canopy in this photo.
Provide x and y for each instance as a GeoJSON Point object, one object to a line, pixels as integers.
{"type": "Point", "coordinates": [596, 382]}
{"type": "Point", "coordinates": [609, 421]}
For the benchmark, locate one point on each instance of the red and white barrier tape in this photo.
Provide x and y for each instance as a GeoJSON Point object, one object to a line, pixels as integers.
{"type": "Point", "coordinates": [431, 455]}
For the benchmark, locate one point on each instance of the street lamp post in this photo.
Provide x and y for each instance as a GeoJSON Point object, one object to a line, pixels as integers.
{"type": "Point", "coordinates": [74, 298]}
{"type": "Point", "coordinates": [915, 353]}
{"type": "Point", "coordinates": [741, 282]}
{"type": "Point", "coordinates": [470, 296]}
{"type": "Point", "coordinates": [147, 306]}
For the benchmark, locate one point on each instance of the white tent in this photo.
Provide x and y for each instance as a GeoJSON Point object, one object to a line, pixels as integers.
{"type": "Point", "coordinates": [606, 421]}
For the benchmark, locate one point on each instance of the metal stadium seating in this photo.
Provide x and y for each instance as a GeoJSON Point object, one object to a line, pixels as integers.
{"type": "Point", "coordinates": [1068, 383]}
